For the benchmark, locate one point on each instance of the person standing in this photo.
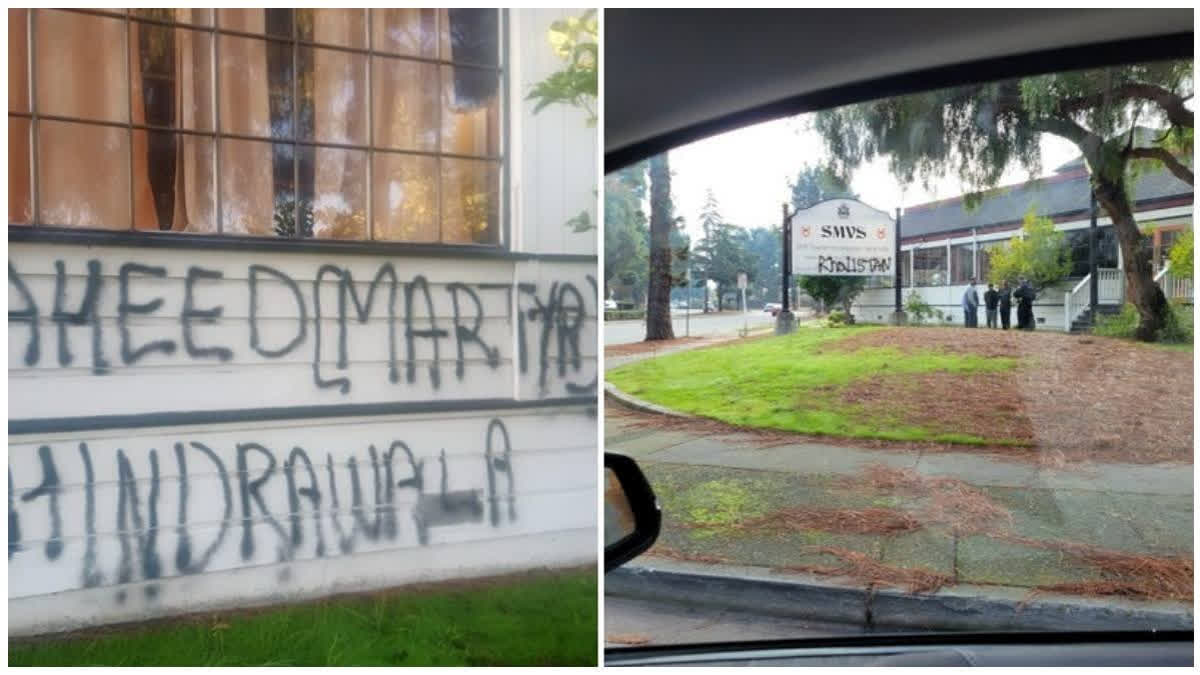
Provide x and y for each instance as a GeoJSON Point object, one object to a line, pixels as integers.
{"type": "Point", "coordinates": [990, 299]}
{"type": "Point", "coordinates": [1005, 295]}
{"type": "Point", "coordinates": [970, 304]}
{"type": "Point", "coordinates": [1025, 296]}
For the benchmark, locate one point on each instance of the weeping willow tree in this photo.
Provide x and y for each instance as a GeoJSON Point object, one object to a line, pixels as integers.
{"type": "Point", "coordinates": [1123, 120]}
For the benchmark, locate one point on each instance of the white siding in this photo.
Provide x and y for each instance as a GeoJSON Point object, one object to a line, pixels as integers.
{"type": "Point", "coordinates": [179, 482]}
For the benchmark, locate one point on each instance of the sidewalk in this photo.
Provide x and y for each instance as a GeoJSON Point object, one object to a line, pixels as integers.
{"type": "Point", "coordinates": [922, 519]}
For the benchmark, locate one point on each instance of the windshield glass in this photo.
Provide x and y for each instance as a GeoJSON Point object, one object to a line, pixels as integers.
{"type": "Point", "coordinates": [970, 405]}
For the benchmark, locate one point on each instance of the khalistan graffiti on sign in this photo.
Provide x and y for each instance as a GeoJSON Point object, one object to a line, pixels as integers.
{"type": "Point", "coordinates": [843, 237]}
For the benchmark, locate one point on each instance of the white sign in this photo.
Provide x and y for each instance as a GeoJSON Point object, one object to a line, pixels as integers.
{"type": "Point", "coordinates": [742, 281]}
{"type": "Point", "coordinates": [843, 237]}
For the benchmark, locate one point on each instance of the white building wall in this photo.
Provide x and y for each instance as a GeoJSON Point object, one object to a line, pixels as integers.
{"type": "Point", "coordinates": [452, 433]}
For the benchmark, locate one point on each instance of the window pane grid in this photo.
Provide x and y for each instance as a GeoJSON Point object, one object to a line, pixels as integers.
{"type": "Point", "coordinates": [345, 197]}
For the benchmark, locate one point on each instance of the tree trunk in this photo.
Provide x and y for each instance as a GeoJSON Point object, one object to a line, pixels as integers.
{"type": "Point", "coordinates": [658, 299]}
{"type": "Point", "coordinates": [1140, 288]}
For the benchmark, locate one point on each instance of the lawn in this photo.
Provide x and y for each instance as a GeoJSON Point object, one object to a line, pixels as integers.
{"type": "Point", "coordinates": [548, 620]}
{"type": "Point", "coordinates": [804, 382]}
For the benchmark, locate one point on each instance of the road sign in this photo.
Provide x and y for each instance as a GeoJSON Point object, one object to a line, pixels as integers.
{"type": "Point", "coordinates": [843, 237]}
{"type": "Point", "coordinates": [742, 281]}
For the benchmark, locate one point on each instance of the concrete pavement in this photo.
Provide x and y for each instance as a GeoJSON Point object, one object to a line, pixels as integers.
{"type": "Point", "coordinates": [701, 325]}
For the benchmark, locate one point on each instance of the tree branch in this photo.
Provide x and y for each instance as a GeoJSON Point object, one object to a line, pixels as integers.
{"type": "Point", "coordinates": [1171, 103]}
{"type": "Point", "coordinates": [1172, 163]}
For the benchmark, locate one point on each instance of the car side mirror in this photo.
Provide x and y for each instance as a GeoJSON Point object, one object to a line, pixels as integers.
{"type": "Point", "coordinates": [631, 515]}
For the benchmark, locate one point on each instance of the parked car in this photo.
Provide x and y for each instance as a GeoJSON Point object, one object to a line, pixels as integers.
{"type": "Point", "coordinates": [772, 308]}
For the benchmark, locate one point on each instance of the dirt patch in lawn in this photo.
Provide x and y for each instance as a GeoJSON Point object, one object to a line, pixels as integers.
{"type": "Point", "coordinates": [986, 405]}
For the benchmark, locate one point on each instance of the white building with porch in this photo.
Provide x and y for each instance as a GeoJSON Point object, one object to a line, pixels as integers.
{"type": "Point", "coordinates": [943, 246]}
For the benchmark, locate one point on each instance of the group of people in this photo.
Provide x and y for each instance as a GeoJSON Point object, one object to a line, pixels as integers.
{"type": "Point", "coordinates": [999, 302]}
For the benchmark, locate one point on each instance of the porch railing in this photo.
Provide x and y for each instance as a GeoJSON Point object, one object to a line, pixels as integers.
{"type": "Point", "coordinates": [1174, 287]}
{"type": "Point", "coordinates": [1110, 285]}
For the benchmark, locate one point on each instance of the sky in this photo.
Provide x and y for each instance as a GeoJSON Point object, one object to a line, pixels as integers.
{"type": "Point", "coordinates": [749, 169]}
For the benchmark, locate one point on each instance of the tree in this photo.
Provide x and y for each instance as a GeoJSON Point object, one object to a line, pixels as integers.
{"type": "Point", "coordinates": [816, 184]}
{"type": "Point", "coordinates": [724, 250]}
{"type": "Point", "coordinates": [1181, 257]}
{"type": "Point", "coordinates": [766, 251]}
{"type": "Point", "coordinates": [658, 300]}
{"type": "Point", "coordinates": [574, 41]}
{"type": "Point", "coordinates": [980, 131]}
{"type": "Point", "coordinates": [832, 291]}
{"type": "Point", "coordinates": [626, 232]}
{"type": "Point", "coordinates": [1041, 255]}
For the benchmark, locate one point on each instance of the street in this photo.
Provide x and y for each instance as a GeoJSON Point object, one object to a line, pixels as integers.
{"type": "Point", "coordinates": [631, 621]}
{"type": "Point", "coordinates": [702, 325]}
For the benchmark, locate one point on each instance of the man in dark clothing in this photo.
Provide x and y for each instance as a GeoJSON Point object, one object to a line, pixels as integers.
{"type": "Point", "coordinates": [1025, 296]}
{"type": "Point", "coordinates": [990, 299]}
{"type": "Point", "coordinates": [1005, 295]}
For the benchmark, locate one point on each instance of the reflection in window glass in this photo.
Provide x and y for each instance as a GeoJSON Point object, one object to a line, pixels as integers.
{"type": "Point", "coordinates": [256, 87]}
{"type": "Point", "coordinates": [81, 66]}
{"type": "Point", "coordinates": [172, 76]}
{"type": "Point", "coordinates": [199, 17]}
{"type": "Point", "coordinates": [333, 187]}
{"type": "Point", "coordinates": [333, 96]}
{"type": "Point", "coordinates": [929, 266]}
{"type": "Point", "coordinates": [346, 27]}
{"type": "Point", "coordinates": [405, 197]}
{"type": "Point", "coordinates": [18, 60]}
{"type": "Point", "coordinates": [412, 32]}
{"type": "Point", "coordinates": [276, 22]}
{"type": "Point", "coordinates": [405, 99]}
{"type": "Point", "coordinates": [72, 193]}
{"type": "Point", "coordinates": [173, 182]}
{"type": "Point", "coordinates": [257, 202]}
{"type": "Point", "coordinates": [20, 199]}
{"type": "Point", "coordinates": [470, 201]}
{"type": "Point", "coordinates": [470, 111]}
{"type": "Point", "coordinates": [962, 265]}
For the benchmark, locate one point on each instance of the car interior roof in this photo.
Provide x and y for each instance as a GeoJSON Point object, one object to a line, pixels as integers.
{"type": "Point", "coordinates": [676, 76]}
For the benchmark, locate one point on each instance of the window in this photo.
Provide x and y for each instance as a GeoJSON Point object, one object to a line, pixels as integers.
{"type": "Point", "coordinates": [1078, 242]}
{"type": "Point", "coordinates": [962, 263]}
{"type": "Point", "coordinates": [929, 266]}
{"type": "Point", "coordinates": [985, 257]}
{"type": "Point", "coordinates": [295, 123]}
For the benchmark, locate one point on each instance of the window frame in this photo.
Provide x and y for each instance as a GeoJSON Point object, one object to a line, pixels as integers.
{"type": "Point", "coordinates": [37, 231]}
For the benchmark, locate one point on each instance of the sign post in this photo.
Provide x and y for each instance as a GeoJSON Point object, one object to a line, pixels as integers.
{"type": "Point", "coordinates": [898, 317]}
{"type": "Point", "coordinates": [784, 322]}
{"type": "Point", "coordinates": [742, 283]}
{"type": "Point", "coordinates": [687, 314]}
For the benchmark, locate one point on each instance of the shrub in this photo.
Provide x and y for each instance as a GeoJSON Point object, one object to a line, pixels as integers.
{"type": "Point", "coordinates": [839, 318]}
{"type": "Point", "coordinates": [1122, 325]}
{"type": "Point", "coordinates": [918, 310]}
{"type": "Point", "coordinates": [1179, 324]}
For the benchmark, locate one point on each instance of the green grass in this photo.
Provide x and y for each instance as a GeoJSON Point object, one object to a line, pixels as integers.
{"type": "Point", "coordinates": [534, 621]}
{"type": "Point", "coordinates": [786, 383]}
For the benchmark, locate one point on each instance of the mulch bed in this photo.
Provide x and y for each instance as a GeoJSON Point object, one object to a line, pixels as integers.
{"type": "Point", "coordinates": [1071, 398]}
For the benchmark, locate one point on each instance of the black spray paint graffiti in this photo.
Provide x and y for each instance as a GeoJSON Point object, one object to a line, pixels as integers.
{"type": "Point", "coordinates": [559, 319]}
{"type": "Point", "coordinates": [375, 519]}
